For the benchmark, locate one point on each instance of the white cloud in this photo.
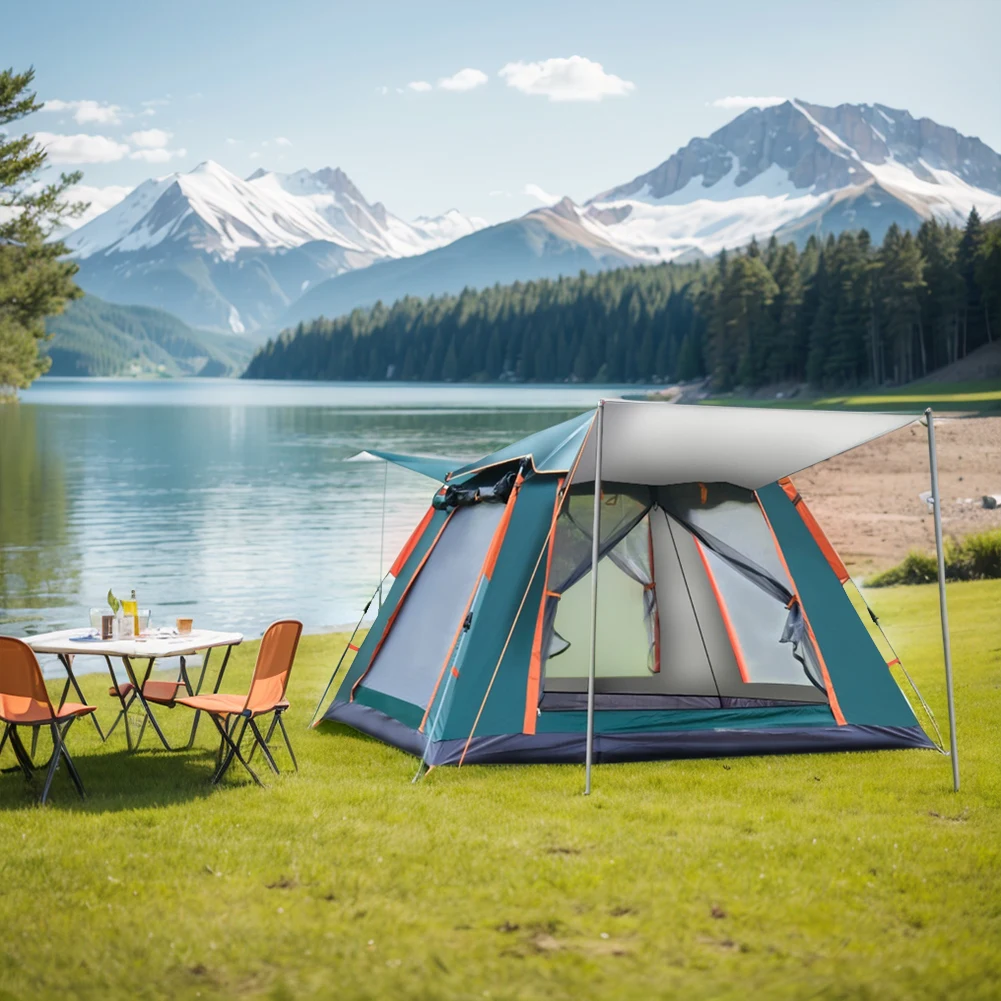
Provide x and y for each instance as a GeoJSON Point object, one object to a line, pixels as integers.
{"type": "Point", "coordinates": [743, 103]}
{"type": "Point", "coordinates": [421, 86]}
{"type": "Point", "coordinates": [81, 148]}
{"type": "Point", "coordinates": [157, 102]}
{"type": "Point", "coordinates": [573, 79]}
{"type": "Point", "coordinates": [255, 155]}
{"type": "Point", "coordinates": [500, 193]}
{"type": "Point", "coordinates": [382, 91]}
{"type": "Point", "coordinates": [543, 196]}
{"type": "Point", "coordinates": [157, 155]}
{"type": "Point", "coordinates": [282, 141]}
{"type": "Point", "coordinates": [465, 79]}
{"type": "Point", "coordinates": [101, 199]}
{"type": "Point", "coordinates": [233, 142]}
{"type": "Point", "coordinates": [151, 138]}
{"type": "Point", "coordinates": [87, 111]}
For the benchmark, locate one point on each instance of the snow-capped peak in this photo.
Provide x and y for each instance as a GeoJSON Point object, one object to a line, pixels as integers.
{"type": "Point", "coordinates": [216, 211]}
{"type": "Point", "coordinates": [788, 167]}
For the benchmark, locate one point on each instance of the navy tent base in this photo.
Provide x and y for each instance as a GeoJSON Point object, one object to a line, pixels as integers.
{"type": "Point", "coordinates": [569, 748]}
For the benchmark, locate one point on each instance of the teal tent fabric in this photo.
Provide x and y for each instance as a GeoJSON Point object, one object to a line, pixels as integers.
{"type": "Point", "coordinates": [864, 686]}
{"type": "Point", "coordinates": [552, 450]}
{"type": "Point", "coordinates": [435, 467]}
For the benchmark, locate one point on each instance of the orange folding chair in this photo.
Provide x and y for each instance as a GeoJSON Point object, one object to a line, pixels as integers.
{"type": "Point", "coordinates": [24, 701]}
{"type": "Point", "coordinates": [267, 695]}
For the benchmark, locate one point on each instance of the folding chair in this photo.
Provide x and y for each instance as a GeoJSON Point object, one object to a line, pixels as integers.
{"type": "Point", "coordinates": [233, 714]}
{"type": "Point", "coordinates": [24, 701]}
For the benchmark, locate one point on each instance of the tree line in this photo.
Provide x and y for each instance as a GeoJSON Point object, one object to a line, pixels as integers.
{"type": "Point", "coordinates": [840, 312]}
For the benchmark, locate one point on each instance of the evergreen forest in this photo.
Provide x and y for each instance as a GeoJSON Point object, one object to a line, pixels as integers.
{"type": "Point", "coordinates": [840, 312]}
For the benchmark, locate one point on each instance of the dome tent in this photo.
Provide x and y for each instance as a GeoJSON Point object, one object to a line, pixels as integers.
{"type": "Point", "coordinates": [719, 623]}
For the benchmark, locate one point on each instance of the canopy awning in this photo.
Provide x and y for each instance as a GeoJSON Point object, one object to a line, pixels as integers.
{"type": "Point", "coordinates": [659, 443]}
{"type": "Point", "coordinates": [434, 466]}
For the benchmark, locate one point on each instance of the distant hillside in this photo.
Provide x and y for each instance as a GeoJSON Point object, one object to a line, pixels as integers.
{"type": "Point", "coordinates": [545, 243]}
{"type": "Point", "coordinates": [94, 337]}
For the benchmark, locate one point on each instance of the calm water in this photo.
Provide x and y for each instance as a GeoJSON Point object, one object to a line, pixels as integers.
{"type": "Point", "coordinates": [227, 501]}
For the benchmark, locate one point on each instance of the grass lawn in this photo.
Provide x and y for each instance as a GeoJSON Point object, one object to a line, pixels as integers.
{"type": "Point", "coordinates": [966, 397]}
{"type": "Point", "coordinates": [827, 876]}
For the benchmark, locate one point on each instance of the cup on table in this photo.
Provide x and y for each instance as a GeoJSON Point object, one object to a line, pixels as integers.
{"type": "Point", "coordinates": [144, 615]}
{"type": "Point", "coordinates": [184, 626]}
{"type": "Point", "coordinates": [126, 627]}
{"type": "Point", "coordinates": [107, 627]}
{"type": "Point", "coordinates": [96, 614]}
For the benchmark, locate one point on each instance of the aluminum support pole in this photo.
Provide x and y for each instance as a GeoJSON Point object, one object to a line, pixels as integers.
{"type": "Point", "coordinates": [382, 533]}
{"type": "Point", "coordinates": [595, 548]}
{"type": "Point", "coordinates": [943, 610]}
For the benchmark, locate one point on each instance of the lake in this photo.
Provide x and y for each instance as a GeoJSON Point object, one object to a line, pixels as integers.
{"type": "Point", "coordinates": [226, 500]}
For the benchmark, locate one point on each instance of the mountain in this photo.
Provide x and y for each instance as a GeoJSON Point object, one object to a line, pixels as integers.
{"type": "Point", "coordinates": [93, 337]}
{"type": "Point", "coordinates": [797, 168]}
{"type": "Point", "coordinates": [228, 253]}
{"type": "Point", "coordinates": [257, 254]}
{"type": "Point", "coordinates": [545, 243]}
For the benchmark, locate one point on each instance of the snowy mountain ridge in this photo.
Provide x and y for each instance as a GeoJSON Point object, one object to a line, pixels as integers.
{"type": "Point", "coordinates": [213, 210]}
{"type": "Point", "coordinates": [798, 167]}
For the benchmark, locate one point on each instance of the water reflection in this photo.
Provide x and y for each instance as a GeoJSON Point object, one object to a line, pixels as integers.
{"type": "Point", "coordinates": [38, 562]}
{"type": "Point", "coordinates": [227, 501]}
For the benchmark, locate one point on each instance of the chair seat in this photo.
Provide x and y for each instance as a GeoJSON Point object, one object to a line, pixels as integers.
{"type": "Point", "coordinates": [161, 692]}
{"type": "Point", "coordinates": [27, 712]}
{"type": "Point", "coordinates": [226, 705]}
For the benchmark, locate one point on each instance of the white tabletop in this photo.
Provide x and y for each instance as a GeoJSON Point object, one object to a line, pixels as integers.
{"type": "Point", "coordinates": [74, 641]}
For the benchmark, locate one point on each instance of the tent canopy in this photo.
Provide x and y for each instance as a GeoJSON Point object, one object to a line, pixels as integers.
{"type": "Point", "coordinates": [660, 444]}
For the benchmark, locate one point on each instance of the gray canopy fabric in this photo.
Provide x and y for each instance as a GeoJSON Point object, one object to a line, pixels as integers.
{"type": "Point", "coordinates": [658, 444]}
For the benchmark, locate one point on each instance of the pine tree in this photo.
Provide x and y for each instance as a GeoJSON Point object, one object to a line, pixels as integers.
{"type": "Point", "coordinates": [34, 281]}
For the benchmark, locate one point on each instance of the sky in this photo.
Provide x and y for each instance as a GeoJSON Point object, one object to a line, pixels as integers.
{"type": "Point", "coordinates": [487, 107]}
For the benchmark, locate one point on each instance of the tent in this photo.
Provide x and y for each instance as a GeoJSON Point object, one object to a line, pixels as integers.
{"type": "Point", "coordinates": [640, 582]}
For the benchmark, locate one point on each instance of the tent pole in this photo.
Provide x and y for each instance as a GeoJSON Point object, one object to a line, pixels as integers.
{"type": "Point", "coordinates": [595, 547]}
{"type": "Point", "coordinates": [382, 534]}
{"type": "Point", "coordinates": [943, 611]}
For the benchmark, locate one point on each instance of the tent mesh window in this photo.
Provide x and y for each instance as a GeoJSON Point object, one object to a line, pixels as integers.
{"type": "Point", "coordinates": [695, 606]}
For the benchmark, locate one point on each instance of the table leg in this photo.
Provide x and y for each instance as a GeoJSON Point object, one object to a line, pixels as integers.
{"type": "Point", "coordinates": [67, 662]}
{"type": "Point", "coordinates": [215, 689]}
{"type": "Point", "coordinates": [125, 703]}
{"type": "Point", "coordinates": [138, 687]}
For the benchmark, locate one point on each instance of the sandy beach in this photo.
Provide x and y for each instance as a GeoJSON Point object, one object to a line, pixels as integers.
{"type": "Point", "coordinates": [868, 499]}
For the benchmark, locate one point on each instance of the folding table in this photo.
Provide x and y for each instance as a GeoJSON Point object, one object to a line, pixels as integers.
{"type": "Point", "coordinates": [67, 644]}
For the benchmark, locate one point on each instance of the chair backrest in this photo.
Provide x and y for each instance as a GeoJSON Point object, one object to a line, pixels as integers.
{"type": "Point", "coordinates": [274, 664]}
{"type": "Point", "coordinates": [22, 687]}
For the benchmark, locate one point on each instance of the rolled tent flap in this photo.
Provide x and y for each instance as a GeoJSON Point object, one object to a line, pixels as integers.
{"type": "Point", "coordinates": [434, 466]}
{"type": "Point", "coordinates": [657, 444]}
{"type": "Point", "coordinates": [552, 450]}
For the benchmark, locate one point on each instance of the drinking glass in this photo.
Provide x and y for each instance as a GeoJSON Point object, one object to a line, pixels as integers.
{"type": "Point", "coordinates": [95, 619]}
{"type": "Point", "coordinates": [144, 616]}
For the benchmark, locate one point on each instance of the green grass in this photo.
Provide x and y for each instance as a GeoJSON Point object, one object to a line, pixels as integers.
{"type": "Point", "coordinates": [982, 397]}
{"type": "Point", "coordinates": [975, 557]}
{"type": "Point", "coordinates": [828, 876]}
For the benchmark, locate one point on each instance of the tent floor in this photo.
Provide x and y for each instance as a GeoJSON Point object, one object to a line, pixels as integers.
{"type": "Point", "coordinates": [569, 748]}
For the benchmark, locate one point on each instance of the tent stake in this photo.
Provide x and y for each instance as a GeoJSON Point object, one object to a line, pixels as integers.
{"type": "Point", "coordinates": [943, 611]}
{"type": "Point", "coordinates": [595, 548]}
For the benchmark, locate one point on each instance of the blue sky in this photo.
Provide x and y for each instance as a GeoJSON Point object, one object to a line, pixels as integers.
{"type": "Point", "coordinates": [152, 88]}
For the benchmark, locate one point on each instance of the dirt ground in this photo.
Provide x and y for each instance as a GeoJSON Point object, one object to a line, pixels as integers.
{"type": "Point", "coordinates": [868, 499]}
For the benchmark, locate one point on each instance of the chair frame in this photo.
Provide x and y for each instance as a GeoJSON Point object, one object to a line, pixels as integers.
{"type": "Point", "coordinates": [59, 751]}
{"type": "Point", "coordinates": [233, 726]}
{"type": "Point", "coordinates": [231, 748]}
